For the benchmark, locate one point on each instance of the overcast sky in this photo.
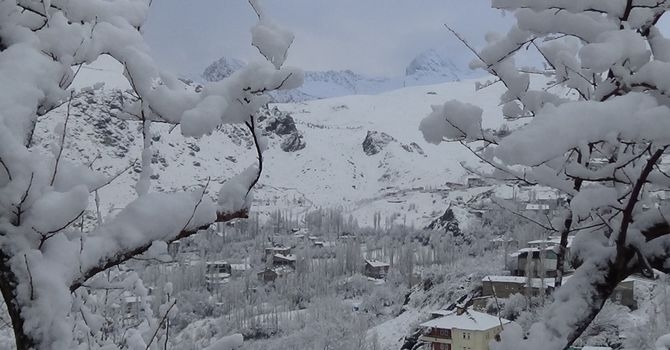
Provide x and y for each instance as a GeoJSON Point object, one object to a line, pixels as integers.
{"type": "Point", "coordinates": [377, 37]}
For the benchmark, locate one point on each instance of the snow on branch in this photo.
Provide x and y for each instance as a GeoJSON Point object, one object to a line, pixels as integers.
{"type": "Point", "coordinates": [43, 45]}
{"type": "Point", "coordinates": [594, 125]}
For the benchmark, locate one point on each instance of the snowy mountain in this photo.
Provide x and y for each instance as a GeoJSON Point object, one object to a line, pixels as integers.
{"type": "Point", "coordinates": [360, 153]}
{"type": "Point", "coordinates": [430, 67]}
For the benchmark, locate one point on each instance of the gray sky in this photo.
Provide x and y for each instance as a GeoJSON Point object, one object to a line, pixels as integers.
{"type": "Point", "coordinates": [377, 37]}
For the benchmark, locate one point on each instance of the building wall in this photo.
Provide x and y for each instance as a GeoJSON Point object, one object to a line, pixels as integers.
{"type": "Point", "coordinates": [502, 289]}
{"type": "Point", "coordinates": [473, 340]}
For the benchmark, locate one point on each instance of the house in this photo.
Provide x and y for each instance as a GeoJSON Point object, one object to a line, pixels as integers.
{"type": "Point", "coordinates": [217, 273]}
{"type": "Point", "coordinates": [271, 274]}
{"type": "Point", "coordinates": [270, 251]}
{"type": "Point", "coordinates": [535, 262]}
{"type": "Point", "coordinates": [279, 260]}
{"type": "Point", "coordinates": [173, 248]}
{"type": "Point", "coordinates": [502, 242]}
{"type": "Point", "coordinates": [133, 306]}
{"type": "Point", "coordinates": [278, 250]}
{"type": "Point", "coordinates": [376, 269]}
{"type": "Point", "coordinates": [551, 241]}
{"type": "Point", "coordinates": [461, 329]}
{"type": "Point", "coordinates": [504, 286]}
{"type": "Point", "coordinates": [537, 207]}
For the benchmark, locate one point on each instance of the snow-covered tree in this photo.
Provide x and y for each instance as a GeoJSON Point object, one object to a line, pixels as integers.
{"type": "Point", "coordinates": [43, 261]}
{"type": "Point", "coordinates": [597, 130]}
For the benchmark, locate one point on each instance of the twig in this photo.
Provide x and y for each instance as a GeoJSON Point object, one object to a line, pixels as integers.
{"type": "Point", "coordinates": [548, 228]}
{"type": "Point", "coordinates": [159, 323]}
{"type": "Point", "coordinates": [252, 128]}
{"type": "Point", "coordinates": [30, 276]}
{"type": "Point", "coordinates": [62, 140]}
{"type": "Point", "coordinates": [9, 174]}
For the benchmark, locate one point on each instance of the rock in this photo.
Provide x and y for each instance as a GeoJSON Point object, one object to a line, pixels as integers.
{"type": "Point", "coordinates": [293, 143]}
{"type": "Point", "coordinates": [280, 123]}
{"type": "Point", "coordinates": [375, 141]}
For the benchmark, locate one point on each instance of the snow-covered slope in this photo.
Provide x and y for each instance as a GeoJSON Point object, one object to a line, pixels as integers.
{"type": "Point", "coordinates": [363, 153]}
{"type": "Point", "coordinates": [432, 67]}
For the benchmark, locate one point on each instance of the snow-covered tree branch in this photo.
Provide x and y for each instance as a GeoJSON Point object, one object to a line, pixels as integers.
{"type": "Point", "coordinates": [598, 131]}
{"type": "Point", "coordinates": [42, 46]}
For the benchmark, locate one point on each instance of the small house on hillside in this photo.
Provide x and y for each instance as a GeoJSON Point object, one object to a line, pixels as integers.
{"type": "Point", "coordinates": [505, 286]}
{"type": "Point", "coordinates": [462, 329]}
{"type": "Point", "coordinates": [270, 275]}
{"type": "Point", "coordinates": [376, 269]}
{"type": "Point", "coordinates": [535, 262]}
{"type": "Point", "coordinates": [279, 260]}
{"type": "Point", "coordinates": [270, 251]}
{"type": "Point", "coordinates": [217, 273]}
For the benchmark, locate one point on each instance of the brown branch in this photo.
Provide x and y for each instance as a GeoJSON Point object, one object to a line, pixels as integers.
{"type": "Point", "coordinates": [9, 174]}
{"type": "Point", "coordinates": [632, 201]}
{"type": "Point", "coordinates": [251, 124]}
{"type": "Point", "coordinates": [30, 277]}
{"type": "Point", "coordinates": [163, 319]}
{"type": "Point", "coordinates": [120, 258]}
{"type": "Point", "coordinates": [62, 140]}
{"type": "Point", "coordinates": [19, 207]}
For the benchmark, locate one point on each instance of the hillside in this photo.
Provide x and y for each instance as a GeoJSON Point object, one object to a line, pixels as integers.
{"type": "Point", "coordinates": [361, 153]}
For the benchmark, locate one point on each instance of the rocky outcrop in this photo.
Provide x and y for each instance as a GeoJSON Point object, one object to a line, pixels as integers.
{"type": "Point", "coordinates": [292, 143]}
{"type": "Point", "coordinates": [276, 123]}
{"type": "Point", "coordinates": [413, 148]}
{"type": "Point", "coordinates": [375, 141]}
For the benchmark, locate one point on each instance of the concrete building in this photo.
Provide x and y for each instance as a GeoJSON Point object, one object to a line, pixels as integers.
{"type": "Point", "coordinates": [462, 330]}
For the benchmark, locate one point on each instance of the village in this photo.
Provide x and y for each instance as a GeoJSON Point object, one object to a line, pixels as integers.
{"type": "Point", "coordinates": [530, 270]}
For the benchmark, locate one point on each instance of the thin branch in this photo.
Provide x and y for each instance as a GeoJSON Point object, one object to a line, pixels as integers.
{"type": "Point", "coordinates": [259, 152]}
{"type": "Point", "coordinates": [197, 204]}
{"type": "Point", "coordinates": [111, 261]}
{"type": "Point", "coordinates": [632, 201]}
{"type": "Point", "coordinates": [62, 141]}
{"type": "Point", "coordinates": [548, 228]}
{"type": "Point", "coordinates": [19, 207]}
{"type": "Point", "coordinates": [163, 319]}
{"type": "Point", "coordinates": [9, 174]}
{"type": "Point", "coordinates": [30, 276]}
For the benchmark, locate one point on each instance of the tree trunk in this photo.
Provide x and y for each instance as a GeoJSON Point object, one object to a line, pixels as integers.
{"type": "Point", "coordinates": [8, 284]}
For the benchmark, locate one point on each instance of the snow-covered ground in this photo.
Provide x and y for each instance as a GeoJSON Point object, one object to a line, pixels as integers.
{"type": "Point", "coordinates": [403, 176]}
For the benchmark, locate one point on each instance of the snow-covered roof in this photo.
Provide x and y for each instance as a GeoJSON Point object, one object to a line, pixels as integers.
{"type": "Point", "coordinates": [290, 257]}
{"type": "Point", "coordinates": [534, 282]}
{"type": "Point", "coordinates": [551, 241]}
{"type": "Point", "coordinates": [533, 249]}
{"type": "Point", "coordinates": [533, 206]}
{"type": "Point", "coordinates": [375, 263]}
{"type": "Point", "coordinates": [217, 262]}
{"type": "Point", "coordinates": [469, 320]}
{"type": "Point", "coordinates": [278, 248]}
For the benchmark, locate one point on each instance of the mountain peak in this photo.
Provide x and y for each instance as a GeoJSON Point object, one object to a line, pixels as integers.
{"type": "Point", "coordinates": [222, 68]}
{"type": "Point", "coordinates": [432, 63]}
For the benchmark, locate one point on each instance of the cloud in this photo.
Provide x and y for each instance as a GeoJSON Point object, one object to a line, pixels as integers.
{"type": "Point", "coordinates": [378, 37]}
